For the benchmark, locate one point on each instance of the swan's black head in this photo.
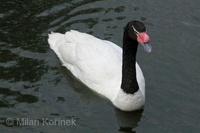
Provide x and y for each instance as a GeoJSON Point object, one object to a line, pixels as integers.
{"type": "Point", "coordinates": [137, 31]}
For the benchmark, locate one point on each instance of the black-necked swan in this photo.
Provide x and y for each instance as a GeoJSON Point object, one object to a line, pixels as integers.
{"type": "Point", "coordinates": [105, 67]}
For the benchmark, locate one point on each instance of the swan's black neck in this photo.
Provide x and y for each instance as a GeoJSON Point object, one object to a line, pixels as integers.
{"type": "Point", "coordinates": [129, 81]}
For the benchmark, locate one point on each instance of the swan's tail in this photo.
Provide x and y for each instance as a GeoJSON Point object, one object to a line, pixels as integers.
{"type": "Point", "coordinates": [64, 45]}
{"type": "Point", "coordinates": [54, 38]}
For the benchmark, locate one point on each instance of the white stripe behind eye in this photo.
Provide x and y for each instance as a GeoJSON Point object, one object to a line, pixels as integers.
{"type": "Point", "coordinates": [135, 30]}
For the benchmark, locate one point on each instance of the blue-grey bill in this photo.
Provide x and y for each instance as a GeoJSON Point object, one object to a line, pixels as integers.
{"type": "Point", "coordinates": [147, 47]}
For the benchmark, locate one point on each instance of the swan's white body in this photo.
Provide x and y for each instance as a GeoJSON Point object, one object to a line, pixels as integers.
{"type": "Point", "coordinates": [98, 64]}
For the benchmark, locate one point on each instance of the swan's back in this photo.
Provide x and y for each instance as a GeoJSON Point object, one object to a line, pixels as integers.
{"type": "Point", "coordinates": [97, 63]}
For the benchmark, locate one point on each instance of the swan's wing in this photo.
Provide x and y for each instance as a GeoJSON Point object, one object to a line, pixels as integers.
{"type": "Point", "coordinates": [93, 61]}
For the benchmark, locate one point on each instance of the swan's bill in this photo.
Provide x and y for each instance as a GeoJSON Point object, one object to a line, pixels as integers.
{"type": "Point", "coordinates": [147, 47]}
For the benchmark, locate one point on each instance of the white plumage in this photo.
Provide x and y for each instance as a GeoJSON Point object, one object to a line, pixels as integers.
{"type": "Point", "coordinates": [98, 64]}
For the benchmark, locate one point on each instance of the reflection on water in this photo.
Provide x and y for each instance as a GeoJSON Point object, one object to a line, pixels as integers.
{"type": "Point", "coordinates": [11, 96]}
{"type": "Point", "coordinates": [35, 86]}
{"type": "Point", "coordinates": [127, 121]}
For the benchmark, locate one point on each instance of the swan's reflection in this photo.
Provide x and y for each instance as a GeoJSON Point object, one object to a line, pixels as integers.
{"type": "Point", "coordinates": [127, 120]}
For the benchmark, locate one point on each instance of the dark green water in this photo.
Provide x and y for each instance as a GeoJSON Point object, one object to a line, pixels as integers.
{"type": "Point", "coordinates": [34, 87]}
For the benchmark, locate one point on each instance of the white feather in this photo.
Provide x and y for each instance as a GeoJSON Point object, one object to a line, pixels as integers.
{"type": "Point", "coordinates": [98, 64]}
